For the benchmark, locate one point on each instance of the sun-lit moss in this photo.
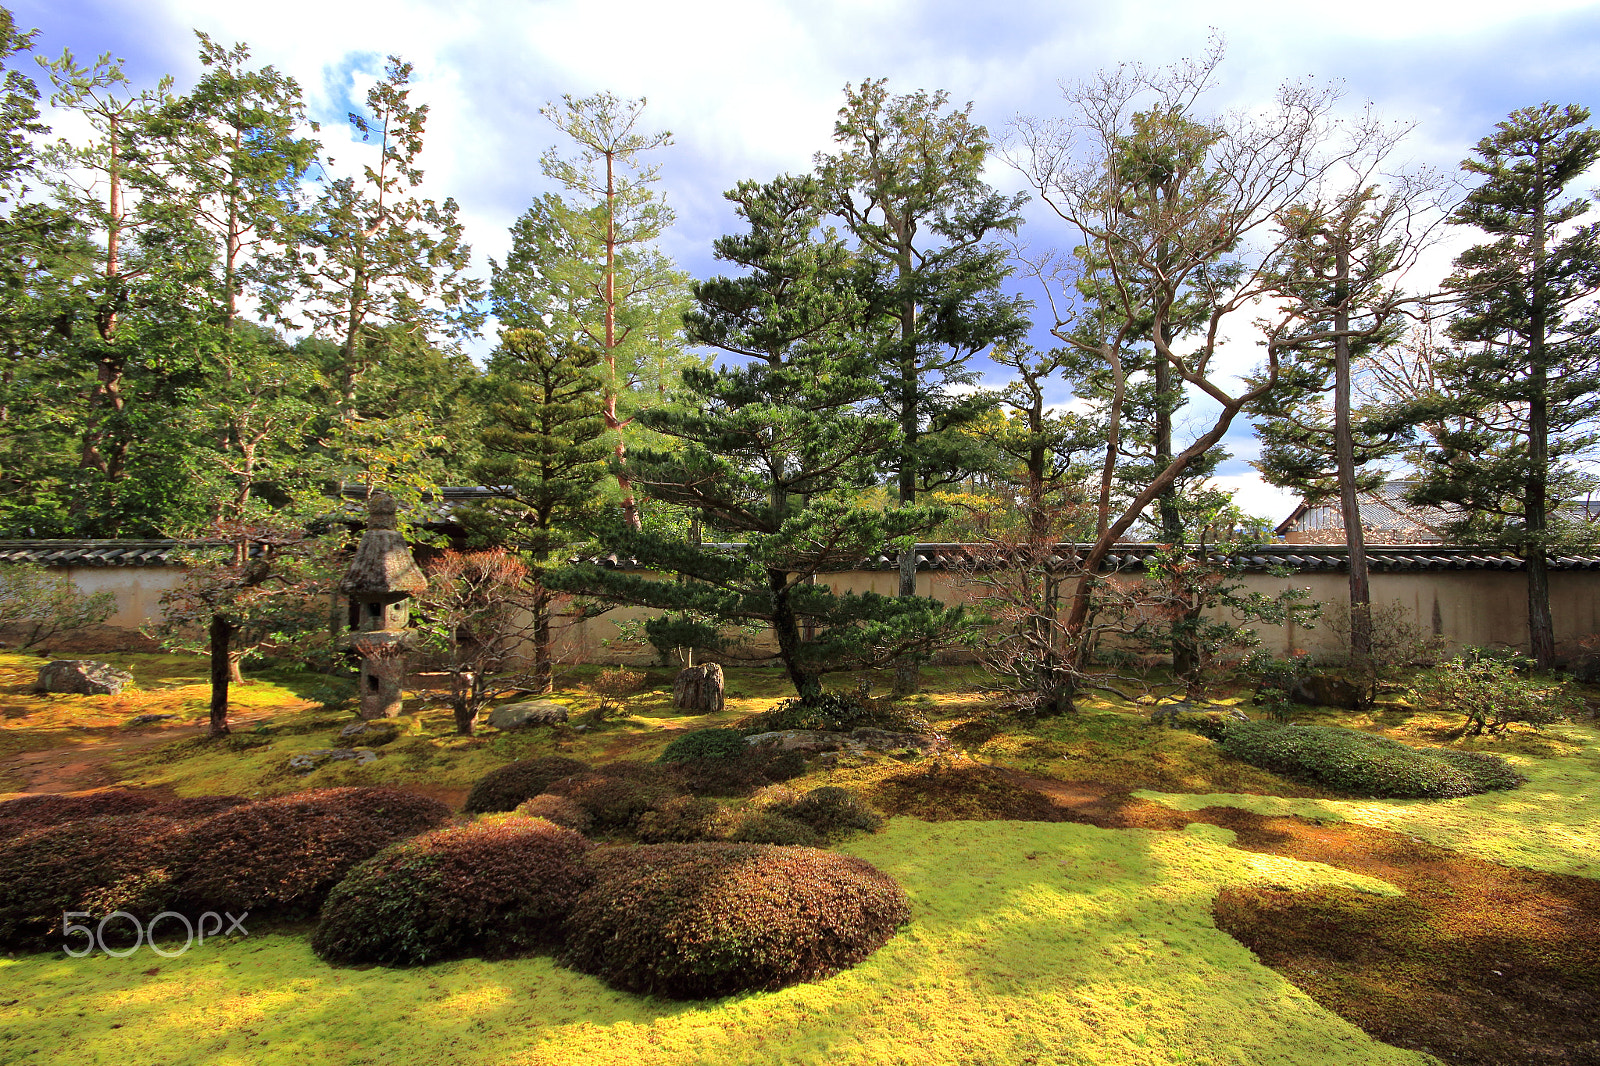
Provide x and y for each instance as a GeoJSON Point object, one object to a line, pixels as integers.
{"type": "Point", "coordinates": [1030, 942]}
{"type": "Point", "coordinates": [1548, 824]}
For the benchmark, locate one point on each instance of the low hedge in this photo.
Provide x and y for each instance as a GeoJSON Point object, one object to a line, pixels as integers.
{"type": "Point", "coordinates": [706, 744]}
{"type": "Point", "coordinates": [502, 789]}
{"type": "Point", "coordinates": [26, 813]}
{"type": "Point", "coordinates": [93, 865]}
{"type": "Point", "coordinates": [833, 813]}
{"type": "Point", "coordinates": [281, 856]}
{"type": "Point", "coordinates": [690, 921]}
{"type": "Point", "coordinates": [1365, 764]}
{"type": "Point", "coordinates": [616, 800]}
{"type": "Point", "coordinates": [499, 888]}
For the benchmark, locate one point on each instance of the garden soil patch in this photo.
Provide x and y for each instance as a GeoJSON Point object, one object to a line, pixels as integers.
{"type": "Point", "coordinates": [1478, 963]}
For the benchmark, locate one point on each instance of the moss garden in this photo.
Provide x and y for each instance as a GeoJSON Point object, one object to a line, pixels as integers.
{"type": "Point", "coordinates": [1352, 887]}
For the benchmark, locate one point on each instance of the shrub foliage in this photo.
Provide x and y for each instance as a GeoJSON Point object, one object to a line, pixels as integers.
{"type": "Point", "coordinates": [706, 744]}
{"type": "Point", "coordinates": [831, 812]}
{"type": "Point", "coordinates": [502, 789]}
{"type": "Point", "coordinates": [690, 921]}
{"type": "Point", "coordinates": [500, 887]}
{"type": "Point", "coordinates": [557, 809]}
{"type": "Point", "coordinates": [1366, 764]}
{"type": "Point", "coordinates": [835, 712]}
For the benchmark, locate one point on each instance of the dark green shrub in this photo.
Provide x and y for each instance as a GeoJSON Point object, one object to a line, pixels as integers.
{"type": "Point", "coordinates": [1209, 724]}
{"type": "Point", "coordinates": [690, 921]}
{"type": "Point", "coordinates": [558, 809]}
{"type": "Point", "coordinates": [832, 812]}
{"type": "Point", "coordinates": [770, 827]}
{"type": "Point", "coordinates": [740, 775]}
{"type": "Point", "coordinates": [281, 856]}
{"type": "Point", "coordinates": [1489, 771]}
{"type": "Point", "coordinates": [706, 744]}
{"type": "Point", "coordinates": [1365, 764]}
{"type": "Point", "coordinates": [615, 802]}
{"type": "Point", "coordinates": [97, 865]}
{"type": "Point", "coordinates": [835, 712]}
{"type": "Point", "coordinates": [502, 887]}
{"type": "Point", "coordinates": [682, 820]}
{"type": "Point", "coordinates": [502, 789]}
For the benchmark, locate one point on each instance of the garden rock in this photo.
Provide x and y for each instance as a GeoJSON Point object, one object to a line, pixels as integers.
{"type": "Point", "coordinates": [375, 734]}
{"type": "Point", "coordinates": [307, 761]}
{"type": "Point", "coordinates": [699, 689]}
{"type": "Point", "coordinates": [526, 715]}
{"type": "Point", "coordinates": [146, 719]}
{"type": "Point", "coordinates": [82, 677]}
{"type": "Point", "coordinates": [1169, 714]}
{"type": "Point", "coordinates": [857, 740]}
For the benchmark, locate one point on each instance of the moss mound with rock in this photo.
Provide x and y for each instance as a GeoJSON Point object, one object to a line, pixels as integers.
{"type": "Point", "coordinates": [1365, 764]}
{"type": "Point", "coordinates": [690, 921]}
{"type": "Point", "coordinates": [500, 887]}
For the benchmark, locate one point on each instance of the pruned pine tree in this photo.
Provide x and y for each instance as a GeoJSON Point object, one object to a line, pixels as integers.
{"type": "Point", "coordinates": [545, 450]}
{"type": "Point", "coordinates": [907, 183]}
{"type": "Point", "coordinates": [772, 454]}
{"type": "Point", "coordinates": [1518, 399]}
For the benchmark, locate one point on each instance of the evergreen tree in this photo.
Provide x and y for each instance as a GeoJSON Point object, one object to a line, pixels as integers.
{"type": "Point", "coordinates": [773, 454]}
{"type": "Point", "coordinates": [908, 186]}
{"type": "Point", "coordinates": [1522, 391]}
{"type": "Point", "coordinates": [545, 455]}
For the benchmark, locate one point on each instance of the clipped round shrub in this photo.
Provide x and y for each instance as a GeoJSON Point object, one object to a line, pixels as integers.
{"type": "Point", "coordinates": [615, 802]}
{"type": "Point", "coordinates": [832, 812]}
{"type": "Point", "coordinates": [502, 789]}
{"type": "Point", "coordinates": [1365, 764]}
{"type": "Point", "coordinates": [557, 809]}
{"type": "Point", "coordinates": [740, 775]}
{"type": "Point", "coordinates": [96, 865]}
{"type": "Point", "coordinates": [706, 744]}
{"type": "Point", "coordinates": [682, 819]}
{"type": "Point", "coordinates": [281, 856]}
{"type": "Point", "coordinates": [500, 887]}
{"type": "Point", "coordinates": [690, 921]}
{"type": "Point", "coordinates": [835, 712]}
{"type": "Point", "coordinates": [770, 827]}
{"type": "Point", "coordinates": [31, 812]}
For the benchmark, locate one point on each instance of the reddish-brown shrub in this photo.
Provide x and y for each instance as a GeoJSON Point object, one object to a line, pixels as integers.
{"type": "Point", "coordinates": [696, 920]}
{"type": "Point", "coordinates": [501, 887]}
{"type": "Point", "coordinates": [281, 856]}
{"type": "Point", "coordinates": [616, 802]}
{"type": "Point", "coordinates": [683, 819]}
{"type": "Point", "coordinates": [557, 809]}
{"type": "Point", "coordinates": [31, 812]}
{"type": "Point", "coordinates": [97, 865]}
{"type": "Point", "coordinates": [502, 789]}
{"type": "Point", "coordinates": [770, 827]}
{"type": "Point", "coordinates": [738, 775]}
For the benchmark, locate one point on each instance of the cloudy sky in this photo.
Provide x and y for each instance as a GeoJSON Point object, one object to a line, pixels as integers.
{"type": "Point", "coordinates": [749, 88]}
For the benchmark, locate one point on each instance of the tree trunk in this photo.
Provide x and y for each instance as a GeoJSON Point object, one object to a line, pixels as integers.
{"type": "Point", "coordinates": [1535, 512]}
{"type": "Point", "coordinates": [1345, 465]}
{"type": "Point", "coordinates": [543, 675]}
{"type": "Point", "coordinates": [221, 633]}
{"type": "Point", "coordinates": [464, 714]}
{"type": "Point", "coordinates": [786, 629]}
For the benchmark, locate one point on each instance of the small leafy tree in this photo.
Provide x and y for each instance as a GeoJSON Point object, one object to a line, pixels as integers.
{"type": "Point", "coordinates": [477, 615]}
{"type": "Point", "coordinates": [37, 605]}
{"type": "Point", "coordinates": [1495, 692]}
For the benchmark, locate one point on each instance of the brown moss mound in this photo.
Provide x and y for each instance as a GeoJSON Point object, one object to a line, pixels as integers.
{"type": "Point", "coordinates": [281, 856]}
{"type": "Point", "coordinates": [93, 865]}
{"type": "Point", "coordinates": [690, 921]}
{"type": "Point", "coordinates": [503, 789]}
{"type": "Point", "coordinates": [499, 888]}
{"type": "Point", "coordinates": [967, 792]}
{"type": "Point", "coordinates": [1479, 964]}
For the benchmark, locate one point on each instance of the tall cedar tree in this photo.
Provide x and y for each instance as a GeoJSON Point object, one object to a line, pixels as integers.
{"type": "Point", "coordinates": [588, 265]}
{"type": "Point", "coordinates": [773, 454]}
{"type": "Point", "coordinates": [545, 453]}
{"type": "Point", "coordinates": [1522, 392]}
{"type": "Point", "coordinates": [908, 185]}
{"type": "Point", "coordinates": [1336, 277]}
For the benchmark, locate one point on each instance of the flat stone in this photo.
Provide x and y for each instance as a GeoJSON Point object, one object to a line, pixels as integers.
{"type": "Point", "coordinates": [375, 733]}
{"type": "Point", "coordinates": [307, 761]}
{"type": "Point", "coordinates": [856, 740]}
{"type": "Point", "coordinates": [527, 715]}
{"type": "Point", "coordinates": [146, 719]}
{"type": "Point", "coordinates": [82, 677]}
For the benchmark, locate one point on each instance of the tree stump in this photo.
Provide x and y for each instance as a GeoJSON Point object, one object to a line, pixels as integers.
{"type": "Point", "coordinates": [699, 688]}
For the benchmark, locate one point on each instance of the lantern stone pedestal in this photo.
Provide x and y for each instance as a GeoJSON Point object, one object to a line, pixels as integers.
{"type": "Point", "coordinates": [380, 583]}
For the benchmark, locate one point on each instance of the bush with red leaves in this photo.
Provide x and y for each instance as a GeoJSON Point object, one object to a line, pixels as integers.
{"type": "Point", "coordinates": [616, 795]}
{"type": "Point", "coordinates": [281, 856]}
{"type": "Point", "coordinates": [93, 865]}
{"type": "Point", "coordinates": [500, 887]}
{"type": "Point", "coordinates": [502, 789]}
{"type": "Point", "coordinates": [32, 812]}
{"type": "Point", "coordinates": [557, 809]}
{"type": "Point", "coordinates": [690, 921]}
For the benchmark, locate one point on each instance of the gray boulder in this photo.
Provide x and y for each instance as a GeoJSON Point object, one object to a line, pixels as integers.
{"type": "Point", "coordinates": [83, 677]}
{"type": "Point", "coordinates": [374, 734]}
{"type": "Point", "coordinates": [307, 761]}
{"type": "Point", "coordinates": [527, 715]}
{"type": "Point", "coordinates": [858, 740]}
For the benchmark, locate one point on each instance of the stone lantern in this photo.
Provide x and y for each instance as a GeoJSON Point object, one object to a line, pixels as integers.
{"type": "Point", "coordinates": [380, 583]}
